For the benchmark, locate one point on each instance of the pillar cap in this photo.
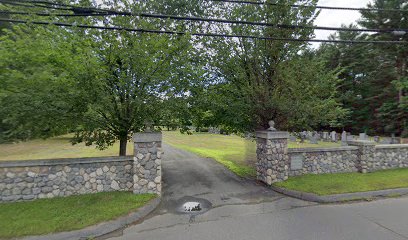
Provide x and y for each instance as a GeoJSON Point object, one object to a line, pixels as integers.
{"type": "Point", "coordinates": [144, 137]}
{"type": "Point", "coordinates": [272, 134]}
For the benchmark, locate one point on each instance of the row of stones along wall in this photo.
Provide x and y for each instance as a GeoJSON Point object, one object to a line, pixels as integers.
{"type": "Point", "coordinates": [56, 178]}
{"type": "Point", "coordinates": [320, 161]}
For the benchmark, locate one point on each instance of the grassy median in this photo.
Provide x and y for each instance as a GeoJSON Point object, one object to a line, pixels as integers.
{"type": "Point", "coordinates": [66, 213]}
{"type": "Point", "coordinates": [327, 184]}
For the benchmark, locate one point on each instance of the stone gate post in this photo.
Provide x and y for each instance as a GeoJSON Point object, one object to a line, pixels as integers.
{"type": "Point", "coordinates": [147, 162]}
{"type": "Point", "coordinates": [272, 156]}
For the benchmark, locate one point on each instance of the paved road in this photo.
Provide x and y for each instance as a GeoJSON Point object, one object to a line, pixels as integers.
{"type": "Point", "coordinates": [241, 209]}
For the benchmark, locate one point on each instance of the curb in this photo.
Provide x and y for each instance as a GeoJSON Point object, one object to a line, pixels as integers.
{"type": "Point", "coordinates": [104, 227]}
{"type": "Point", "coordinates": [340, 197]}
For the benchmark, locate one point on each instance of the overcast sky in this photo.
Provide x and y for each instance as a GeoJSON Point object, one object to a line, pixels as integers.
{"type": "Point", "coordinates": [335, 18]}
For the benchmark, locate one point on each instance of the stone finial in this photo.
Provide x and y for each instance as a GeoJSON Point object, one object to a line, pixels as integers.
{"type": "Point", "coordinates": [148, 125]}
{"type": "Point", "coordinates": [271, 125]}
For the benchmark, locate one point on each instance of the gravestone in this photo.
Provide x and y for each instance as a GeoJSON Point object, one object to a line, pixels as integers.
{"type": "Point", "coordinates": [363, 137]}
{"type": "Point", "coordinates": [333, 136]}
{"type": "Point", "coordinates": [376, 139]}
{"type": "Point", "coordinates": [386, 140]}
{"type": "Point", "coordinates": [325, 136]}
{"type": "Point", "coordinates": [344, 138]}
{"type": "Point", "coordinates": [292, 138]}
{"type": "Point", "coordinates": [313, 139]}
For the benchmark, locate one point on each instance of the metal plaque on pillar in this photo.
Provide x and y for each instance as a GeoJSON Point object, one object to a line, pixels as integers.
{"type": "Point", "coordinates": [296, 162]}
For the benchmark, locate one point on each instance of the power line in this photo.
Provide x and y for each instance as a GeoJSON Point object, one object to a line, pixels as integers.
{"type": "Point", "coordinates": [306, 6]}
{"type": "Point", "coordinates": [265, 3]}
{"type": "Point", "coordinates": [105, 12]}
{"type": "Point", "coordinates": [140, 30]}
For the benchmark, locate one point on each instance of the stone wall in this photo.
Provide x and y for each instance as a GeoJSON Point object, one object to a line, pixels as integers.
{"type": "Point", "coordinates": [275, 162]}
{"type": "Point", "coordinates": [34, 179]}
{"type": "Point", "coordinates": [390, 156]}
{"type": "Point", "coordinates": [323, 160]}
{"type": "Point", "coordinates": [27, 180]}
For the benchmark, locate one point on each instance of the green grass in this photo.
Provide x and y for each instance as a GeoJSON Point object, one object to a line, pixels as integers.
{"type": "Point", "coordinates": [234, 152]}
{"type": "Point", "coordinates": [64, 214]}
{"type": "Point", "coordinates": [58, 147]}
{"type": "Point", "coordinates": [327, 184]}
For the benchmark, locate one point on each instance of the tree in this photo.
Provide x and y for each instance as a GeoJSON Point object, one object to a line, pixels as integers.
{"type": "Point", "coordinates": [122, 79]}
{"type": "Point", "coordinates": [373, 74]}
{"type": "Point", "coordinates": [255, 81]}
{"type": "Point", "coordinates": [42, 82]}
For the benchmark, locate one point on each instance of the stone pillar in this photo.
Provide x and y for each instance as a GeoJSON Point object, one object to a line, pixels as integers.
{"type": "Point", "coordinates": [272, 156]}
{"type": "Point", "coordinates": [147, 162]}
{"type": "Point", "coordinates": [365, 156]}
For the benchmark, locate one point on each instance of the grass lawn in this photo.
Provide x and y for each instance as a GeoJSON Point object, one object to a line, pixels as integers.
{"type": "Point", "coordinates": [64, 214]}
{"type": "Point", "coordinates": [58, 147]}
{"type": "Point", "coordinates": [234, 152]}
{"type": "Point", "coordinates": [327, 184]}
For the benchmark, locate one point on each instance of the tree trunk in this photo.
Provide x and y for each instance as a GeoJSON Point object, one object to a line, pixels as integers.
{"type": "Point", "coordinates": [122, 145]}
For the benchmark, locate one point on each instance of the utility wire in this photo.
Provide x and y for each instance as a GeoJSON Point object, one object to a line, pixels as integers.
{"type": "Point", "coordinates": [100, 12]}
{"type": "Point", "coordinates": [140, 30]}
{"type": "Point", "coordinates": [265, 3]}
{"type": "Point", "coordinates": [306, 6]}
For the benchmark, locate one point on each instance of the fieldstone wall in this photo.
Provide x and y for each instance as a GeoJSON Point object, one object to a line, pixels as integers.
{"type": "Point", "coordinates": [323, 160]}
{"type": "Point", "coordinates": [272, 156]}
{"type": "Point", "coordinates": [35, 179]}
{"type": "Point", "coordinates": [275, 162]}
{"type": "Point", "coordinates": [390, 156]}
{"type": "Point", "coordinates": [28, 180]}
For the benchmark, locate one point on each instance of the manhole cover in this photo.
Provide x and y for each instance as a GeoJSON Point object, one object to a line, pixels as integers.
{"type": "Point", "coordinates": [191, 205]}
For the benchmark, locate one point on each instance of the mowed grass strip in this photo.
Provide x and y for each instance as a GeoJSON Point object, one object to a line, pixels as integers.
{"type": "Point", "coordinates": [236, 153]}
{"type": "Point", "coordinates": [57, 147]}
{"type": "Point", "coordinates": [45, 216]}
{"type": "Point", "coordinates": [328, 184]}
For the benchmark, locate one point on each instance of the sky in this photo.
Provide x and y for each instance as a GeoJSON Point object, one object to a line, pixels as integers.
{"type": "Point", "coordinates": [335, 18]}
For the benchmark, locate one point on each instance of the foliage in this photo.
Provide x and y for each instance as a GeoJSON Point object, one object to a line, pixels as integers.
{"type": "Point", "coordinates": [43, 78]}
{"type": "Point", "coordinates": [103, 85]}
{"type": "Point", "coordinates": [254, 81]}
{"type": "Point", "coordinates": [374, 76]}
{"type": "Point", "coordinates": [60, 214]}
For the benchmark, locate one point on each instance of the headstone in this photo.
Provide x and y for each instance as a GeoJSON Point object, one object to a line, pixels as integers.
{"type": "Point", "coordinates": [344, 138]}
{"type": "Point", "coordinates": [333, 136]}
{"type": "Point", "coordinates": [292, 138]}
{"type": "Point", "coordinates": [313, 139]}
{"type": "Point", "coordinates": [296, 162]}
{"type": "Point", "coordinates": [363, 137]}
{"type": "Point", "coordinates": [325, 136]}
{"type": "Point", "coordinates": [376, 139]}
{"type": "Point", "coordinates": [394, 140]}
{"type": "Point", "coordinates": [386, 140]}
{"type": "Point", "coordinates": [317, 135]}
